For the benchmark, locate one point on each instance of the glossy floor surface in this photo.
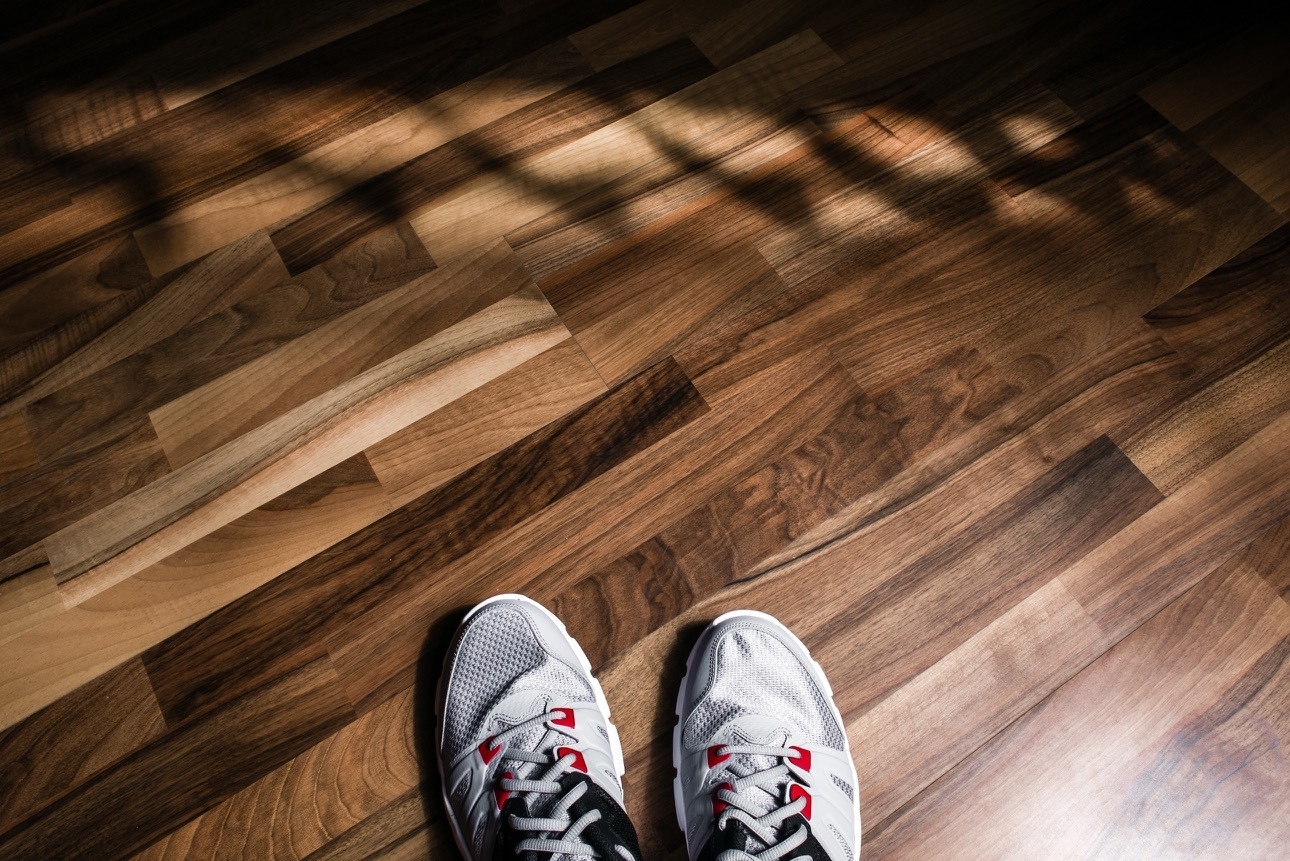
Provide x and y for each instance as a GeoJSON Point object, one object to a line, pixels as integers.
{"type": "Point", "coordinates": [954, 334]}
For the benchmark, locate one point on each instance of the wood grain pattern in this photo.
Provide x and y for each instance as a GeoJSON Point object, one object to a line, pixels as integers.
{"type": "Point", "coordinates": [197, 764]}
{"type": "Point", "coordinates": [1213, 421]}
{"type": "Point", "coordinates": [939, 717]}
{"type": "Point", "coordinates": [267, 387]}
{"type": "Point", "coordinates": [1219, 510]}
{"type": "Point", "coordinates": [75, 738]}
{"type": "Point", "coordinates": [495, 416]}
{"type": "Point", "coordinates": [500, 203]}
{"type": "Point", "coordinates": [953, 333]}
{"type": "Point", "coordinates": [589, 102]}
{"type": "Point", "coordinates": [328, 789]}
{"type": "Point", "coordinates": [53, 657]}
{"type": "Point", "coordinates": [214, 284]}
{"type": "Point", "coordinates": [1259, 162]}
{"type": "Point", "coordinates": [157, 519]}
{"type": "Point", "coordinates": [100, 405]}
{"type": "Point", "coordinates": [203, 667]}
{"type": "Point", "coordinates": [1218, 657]}
{"type": "Point", "coordinates": [311, 180]}
{"type": "Point", "coordinates": [1227, 318]}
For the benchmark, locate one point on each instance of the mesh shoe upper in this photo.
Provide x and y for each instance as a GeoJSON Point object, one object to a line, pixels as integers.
{"type": "Point", "coordinates": [529, 760]}
{"type": "Point", "coordinates": [763, 767]}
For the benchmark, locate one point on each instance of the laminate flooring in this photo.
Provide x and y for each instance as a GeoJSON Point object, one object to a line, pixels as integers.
{"type": "Point", "coordinates": [954, 334]}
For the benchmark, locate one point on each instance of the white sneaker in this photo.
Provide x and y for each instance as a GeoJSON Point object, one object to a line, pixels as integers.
{"type": "Point", "coordinates": [763, 767]}
{"type": "Point", "coordinates": [531, 765]}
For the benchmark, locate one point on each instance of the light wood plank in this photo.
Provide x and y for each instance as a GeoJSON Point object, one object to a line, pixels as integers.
{"type": "Point", "coordinates": [1152, 752]}
{"type": "Point", "coordinates": [930, 723]}
{"type": "Point", "coordinates": [27, 600]}
{"type": "Point", "coordinates": [213, 490]}
{"type": "Point", "coordinates": [1212, 422]}
{"type": "Point", "coordinates": [314, 798]}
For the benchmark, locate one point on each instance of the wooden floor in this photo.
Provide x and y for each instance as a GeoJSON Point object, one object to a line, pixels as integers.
{"type": "Point", "coordinates": [956, 335]}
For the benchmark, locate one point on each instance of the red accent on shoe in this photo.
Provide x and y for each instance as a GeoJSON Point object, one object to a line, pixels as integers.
{"type": "Point", "coordinates": [487, 751]}
{"type": "Point", "coordinates": [565, 719]}
{"type": "Point", "coordinates": [802, 760]}
{"type": "Point", "coordinates": [795, 791]}
{"type": "Point", "coordinates": [502, 794]}
{"type": "Point", "coordinates": [578, 761]}
{"type": "Point", "coordinates": [714, 758]}
{"type": "Point", "coordinates": [717, 804]}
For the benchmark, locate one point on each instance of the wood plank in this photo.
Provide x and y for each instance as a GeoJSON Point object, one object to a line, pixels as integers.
{"type": "Point", "coordinates": [1218, 78]}
{"type": "Point", "coordinates": [1250, 138]}
{"type": "Point", "coordinates": [1160, 747]}
{"type": "Point", "coordinates": [983, 561]}
{"type": "Point", "coordinates": [327, 355]}
{"type": "Point", "coordinates": [310, 180]}
{"type": "Point", "coordinates": [1213, 421]}
{"type": "Point", "coordinates": [154, 521]}
{"type": "Point", "coordinates": [1235, 313]}
{"type": "Point", "coordinates": [656, 190]}
{"type": "Point", "coordinates": [397, 832]}
{"type": "Point", "coordinates": [251, 40]}
{"type": "Point", "coordinates": [95, 291]}
{"type": "Point", "coordinates": [159, 786]}
{"type": "Point", "coordinates": [17, 452]}
{"type": "Point", "coordinates": [57, 494]}
{"type": "Point", "coordinates": [316, 797]}
{"type": "Point", "coordinates": [629, 321]}
{"type": "Point", "coordinates": [731, 36]}
{"type": "Point", "coordinates": [1172, 547]}
{"type": "Point", "coordinates": [642, 28]}
{"type": "Point", "coordinates": [500, 202]}
{"type": "Point", "coordinates": [101, 404]}
{"type": "Point", "coordinates": [71, 740]}
{"type": "Point", "coordinates": [500, 413]}
{"type": "Point", "coordinates": [931, 723]}
{"type": "Point", "coordinates": [26, 600]}
{"type": "Point", "coordinates": [1267, 556]}
{"type": "Point", "coordinates": [217, 282]}
{"type": "Point", "coordinates": [210, 662]}
{"type": "Point", "coordinates": [52, 658]}
{"type": "Point", "coordinates": [587, 103]}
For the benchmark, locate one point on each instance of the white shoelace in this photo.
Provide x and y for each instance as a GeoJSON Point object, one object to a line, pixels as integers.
{"type": "Point", "coordinates": [741, 802]}
{"type": "Point", "coordinates": [558, 834]}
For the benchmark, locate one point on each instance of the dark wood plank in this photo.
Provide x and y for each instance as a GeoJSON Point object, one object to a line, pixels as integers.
{"type": "Point", "coordinates": [1234, 313]}
{"type": "Point", "coordinates": [70, 741]}
{"type": "Point", "coordinates": [1269, 557]}
{"type": "Point", "coordinates": [61, 491]}
{"type": "Point", "coordinates": [238, 647]}
{"type": "Point", "coordinates": [163, 784]}
{"type": "Point", "coordinates": [592, 102]}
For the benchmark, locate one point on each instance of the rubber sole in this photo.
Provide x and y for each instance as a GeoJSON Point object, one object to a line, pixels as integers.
{"type": "Point", "coordinates": [615, 745]}
{"type": "Point", "coordinates": [678, 795]}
